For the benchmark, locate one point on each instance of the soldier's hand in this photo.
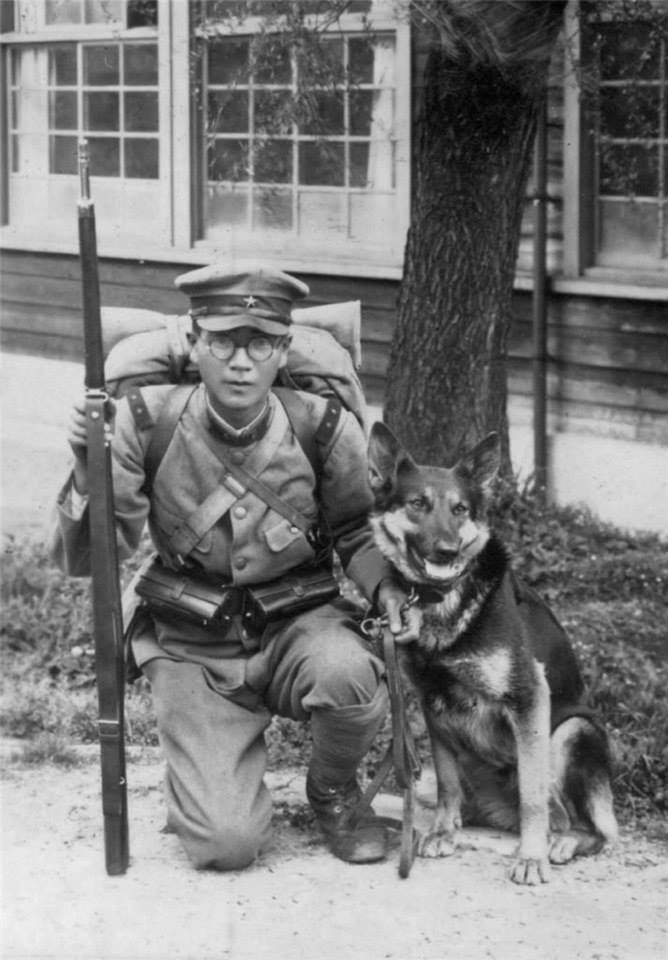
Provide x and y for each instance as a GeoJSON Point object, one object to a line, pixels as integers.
{"type": "Point", "coordinates": [77, 437]}
{"type": "Point", "coordinates": [404, 619]}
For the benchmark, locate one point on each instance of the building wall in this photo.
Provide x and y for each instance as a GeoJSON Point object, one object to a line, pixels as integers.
{"type": "Point", "coordinates": [607, 381]}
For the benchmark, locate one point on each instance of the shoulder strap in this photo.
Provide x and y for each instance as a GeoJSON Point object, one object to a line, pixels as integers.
{"type": "Point", "coordinates": [165, 425]}
{"type": "Point", "coordinates": [312, 442]}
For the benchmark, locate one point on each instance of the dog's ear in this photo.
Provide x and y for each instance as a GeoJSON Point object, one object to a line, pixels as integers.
{"type": "Point", "coordinates": [386, 459]}
{"type": "Point", "coordinates": [483, 461]}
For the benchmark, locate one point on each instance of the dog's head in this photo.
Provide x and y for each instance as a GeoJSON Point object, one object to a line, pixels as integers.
{"type": "Point", "coordinates": [430, 521]}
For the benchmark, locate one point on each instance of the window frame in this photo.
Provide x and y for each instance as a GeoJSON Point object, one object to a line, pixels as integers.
{"type": "Point", "coordinates": [386, 262]}
{"type": "Point", "coordinates": [580, 189]}
{"type": "Point", "coordinates": [178, 241]}
{"type": "Point", "coordinates": [43, 37]}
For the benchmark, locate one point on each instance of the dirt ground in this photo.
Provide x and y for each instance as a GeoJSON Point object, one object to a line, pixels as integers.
{"type": "Point", "coordinates": [298, 901]}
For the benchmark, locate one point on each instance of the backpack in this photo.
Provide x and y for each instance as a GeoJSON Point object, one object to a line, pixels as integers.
{"type": "Point", "coordinates": [144, 347]}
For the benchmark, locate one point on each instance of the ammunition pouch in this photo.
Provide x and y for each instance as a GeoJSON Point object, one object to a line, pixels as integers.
{"type": "Point", "coordinates": [195, 598]}
{"type": "Point", "coordinates": [291, 594]}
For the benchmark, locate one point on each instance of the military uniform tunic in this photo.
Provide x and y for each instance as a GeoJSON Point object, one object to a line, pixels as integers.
{"type": "Point", "coordinates": [214, 692]}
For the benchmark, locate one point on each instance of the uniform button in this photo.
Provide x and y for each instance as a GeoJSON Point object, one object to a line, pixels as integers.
{"type": "Point", "coordinates": [240, 563]}
{"type": "Point", "coordinates": [240, 512]}
{"type": "Point", "coordinates": [237, 456]}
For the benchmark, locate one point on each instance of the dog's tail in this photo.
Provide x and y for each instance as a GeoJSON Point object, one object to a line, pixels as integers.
{"type": "Point", "coordinates": [581, 779]}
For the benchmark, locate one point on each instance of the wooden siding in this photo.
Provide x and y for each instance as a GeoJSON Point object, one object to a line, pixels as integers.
{"type": "Point", "coordinates": [41, 304]}
{"type": "Point", "coordinates": [608, 357]}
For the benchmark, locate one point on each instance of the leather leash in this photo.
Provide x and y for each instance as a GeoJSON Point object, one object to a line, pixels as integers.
{"type": "Point", "coordinates": [402, 753]}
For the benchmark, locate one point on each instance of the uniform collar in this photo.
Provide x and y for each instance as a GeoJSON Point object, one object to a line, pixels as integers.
{"type": "Point", "coordinates": [251, 433]}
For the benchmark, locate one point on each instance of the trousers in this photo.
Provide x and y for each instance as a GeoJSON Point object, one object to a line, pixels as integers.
{"type": "Point", "coordinates": [212, 715]}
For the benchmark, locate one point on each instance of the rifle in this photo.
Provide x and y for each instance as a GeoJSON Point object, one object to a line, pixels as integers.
{"type": "Point", "coordinates": [107, 617]}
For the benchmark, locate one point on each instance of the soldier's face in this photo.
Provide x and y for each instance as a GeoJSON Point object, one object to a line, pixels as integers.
{"type": "Point", "coordinates": [238, 386]}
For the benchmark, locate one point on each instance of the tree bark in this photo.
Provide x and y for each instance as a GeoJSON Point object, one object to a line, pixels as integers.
{"type": "Point", "coordinates": [446, 384]}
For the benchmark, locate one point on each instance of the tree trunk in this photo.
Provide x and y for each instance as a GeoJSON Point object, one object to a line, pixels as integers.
{"type": "Point", "coordinates": [474, 137]}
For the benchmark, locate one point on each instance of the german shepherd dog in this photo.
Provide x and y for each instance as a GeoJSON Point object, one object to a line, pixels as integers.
{"type": "Point", "coordinates": [514, 745]}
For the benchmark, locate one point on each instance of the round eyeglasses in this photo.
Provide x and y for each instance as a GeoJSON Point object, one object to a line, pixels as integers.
{"type": "Point", "coordinates": [258, 348]}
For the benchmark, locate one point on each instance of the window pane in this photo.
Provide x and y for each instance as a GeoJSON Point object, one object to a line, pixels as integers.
{"type": "Point", "coordinates": [271, 56]}
{"type": "Point", "coordinates": [142, 13]}
{"type": "Point", "coordinates": [630, 111]}
{"type": "Point", "coordinates": [141, 158]}
{"type": "Point", "coordinates": [101, 66]}
{"type": "Point", "coordinates": [372, 165]}
{"type": "Point", "coordinates": [322, 212]}
{"type": "Point", "coordinates": [361, 109]}
{"type": "Point", "coordinates": [273, 111]}
{"type": "Point", "coordinates": [63, 110]}
{"type": "Point", "coordinates": [141, 111]}
{"type": "Point", "coordinates": [103, 11]}
{"type": "Point", "coordinates": [63, 155]}
{"type": "Point", "coordinates": [628, 229]}
{"type": "Point", "coordinates": [140, 67]}
{"type": "Point", "coordinates": [104, 157]}
{"type": "Point", "coordinates": [63, 11]}
{"type": "Point", "coordinates": [629, 169]}
{"type": "Point", "coordinates": [227, 207]}
{"type": "Point", "coordinates": [228, 111]}
{"type": "Point", "coordinates": [272, 209]}
{"type": "Point", "coordinates": [359, 164]}
{"type": "Point", "coordinates": [325, 114]}
{"type": "Point", "coordinates": [228, 160]}
{"type": "Point", "coordinates": [101, 111]}
{"type": "Point", "coordinates": [63, 65]}
{"type": "Point", "coordinates": [228, 61]}
{"type": "Point", "coordinates": [273, 161]}
{"type": "Point", "coordinates": [321, 164]}
{"type": "Point", "coordinates": [360, 61]}
{"type": "Point", "coordinates": [629, 50]}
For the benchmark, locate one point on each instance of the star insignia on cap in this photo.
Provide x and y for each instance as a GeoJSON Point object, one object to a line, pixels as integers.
{"type": "Point", "coordinates": [250, 301]}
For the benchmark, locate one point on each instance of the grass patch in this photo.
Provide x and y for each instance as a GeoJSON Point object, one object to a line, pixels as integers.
{"type": "Point", "coordinates": [608, 588]}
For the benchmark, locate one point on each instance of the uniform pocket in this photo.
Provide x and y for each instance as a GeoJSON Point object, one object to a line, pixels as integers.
{"type": "Point", "coordinates": [283, 535]}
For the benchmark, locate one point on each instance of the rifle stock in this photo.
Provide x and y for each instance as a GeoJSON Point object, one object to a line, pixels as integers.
{"type": "Point", "coordinates": [106, 596]}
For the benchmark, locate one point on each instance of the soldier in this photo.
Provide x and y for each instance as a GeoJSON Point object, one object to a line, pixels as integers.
{"type": "Point", "coordinates": [215, 689]}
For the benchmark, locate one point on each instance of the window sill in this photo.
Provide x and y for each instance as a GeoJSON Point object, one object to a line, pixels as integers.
{"type": "Point", "coordinates": [204, 254]}
{"type": "Point", "coordinates": [602, 282]}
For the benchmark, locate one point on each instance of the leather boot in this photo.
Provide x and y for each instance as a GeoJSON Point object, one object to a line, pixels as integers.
{"type": "Point", "coordinates": [358, 838]}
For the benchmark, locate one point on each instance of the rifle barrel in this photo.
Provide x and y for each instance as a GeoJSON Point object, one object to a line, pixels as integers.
{"type": "Point", "coordinates": [93, 347]}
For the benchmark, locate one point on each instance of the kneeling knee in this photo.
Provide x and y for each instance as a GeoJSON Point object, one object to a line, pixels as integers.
{"type": "Point", "coordinates": [224, 847]}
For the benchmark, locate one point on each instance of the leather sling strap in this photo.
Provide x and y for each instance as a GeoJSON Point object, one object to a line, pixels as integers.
{"type": "Point", "coordinates": [235, 480]}
{"type": "Point", "coordinates": [235, 473]}
{"type": "Point", "coordinates": [170, 414]}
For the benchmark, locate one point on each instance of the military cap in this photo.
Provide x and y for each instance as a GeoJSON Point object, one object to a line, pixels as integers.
{"type": "Point", "coordinates": [222, 299]}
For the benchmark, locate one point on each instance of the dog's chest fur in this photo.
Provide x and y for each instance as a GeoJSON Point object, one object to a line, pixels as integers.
{"type": "Point", "coordinates": [471, 663]}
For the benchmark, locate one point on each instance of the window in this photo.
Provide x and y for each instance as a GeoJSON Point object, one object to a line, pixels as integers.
{"type": "Point", "coordinates": [616, 143]}
{"type": "Point", "coordinates": [301, 148]}
{"type": "Point", "coordinates": [105, 92]}
{"type": "Point", "coordinates": [213, 125]}
{"type": "Point", "coordinates": [80, 72]}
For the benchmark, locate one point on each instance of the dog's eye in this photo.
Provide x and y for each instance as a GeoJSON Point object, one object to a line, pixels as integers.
{"type": "Point", "coordinates": [418, 503]}
{"type": "Point", "coordinates": [460, 509]}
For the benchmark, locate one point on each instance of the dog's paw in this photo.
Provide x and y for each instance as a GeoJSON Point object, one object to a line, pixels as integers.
{"type": "Point", "coordinates": [530, 872]}
{"type": "Point", "coordinates": [563, 848]}
{"type": "Point", "coordinates": [437, 845]}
